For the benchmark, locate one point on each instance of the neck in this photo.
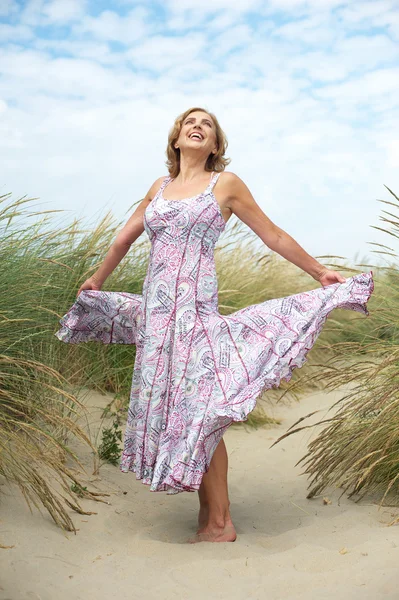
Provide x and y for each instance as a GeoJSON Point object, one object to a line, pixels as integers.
{"type": "Point", "coordinates": [191, 167]}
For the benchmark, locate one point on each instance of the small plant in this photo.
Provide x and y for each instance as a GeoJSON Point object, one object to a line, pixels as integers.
{"type": "Point", "coordinates": [109, 449]}
{"type": "Point", "coordinates": [78, 489]}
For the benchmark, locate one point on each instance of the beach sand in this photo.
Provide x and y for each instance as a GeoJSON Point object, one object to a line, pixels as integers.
{"type": "Point", "coordinates": [288, 547]}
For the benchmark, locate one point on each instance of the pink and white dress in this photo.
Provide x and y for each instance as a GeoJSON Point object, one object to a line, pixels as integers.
{"type": "Point", "coordinates": [196, 371]}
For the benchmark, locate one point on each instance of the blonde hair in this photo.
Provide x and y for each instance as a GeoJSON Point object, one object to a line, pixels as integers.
{"type": "Point", "coordinates": [215, 162]}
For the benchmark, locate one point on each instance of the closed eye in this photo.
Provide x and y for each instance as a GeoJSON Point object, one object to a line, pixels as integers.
{"type": "Point", "coordinates": [204, 121]}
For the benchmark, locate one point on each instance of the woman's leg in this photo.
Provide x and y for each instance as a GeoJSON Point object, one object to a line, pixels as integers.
{"type": "Point", "coordinates": [215, 524]}
{"type": "Point", "coordinates": [204, 506]}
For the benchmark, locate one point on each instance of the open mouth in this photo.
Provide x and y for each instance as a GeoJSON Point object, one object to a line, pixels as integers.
{"type": "Point", "coordinates": [196, 136]}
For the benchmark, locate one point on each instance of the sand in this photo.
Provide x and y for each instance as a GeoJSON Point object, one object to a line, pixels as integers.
{"type": "Point", "coordinates": [288, 547]}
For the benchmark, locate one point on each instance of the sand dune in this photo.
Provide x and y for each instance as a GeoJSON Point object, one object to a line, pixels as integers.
{"type": "Point", "coordinates": [288, 547]}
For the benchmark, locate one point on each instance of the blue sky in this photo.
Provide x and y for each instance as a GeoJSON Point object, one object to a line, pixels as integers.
{"type": "Point", "coordinates": [306, 91]}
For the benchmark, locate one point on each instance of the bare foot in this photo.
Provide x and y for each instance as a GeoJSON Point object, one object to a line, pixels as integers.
{"type": "Point", "coordinates": [208, 534]}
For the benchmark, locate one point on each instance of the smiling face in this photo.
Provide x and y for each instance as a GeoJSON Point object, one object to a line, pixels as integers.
{"type": "Point", "coordinates": [197, 133]}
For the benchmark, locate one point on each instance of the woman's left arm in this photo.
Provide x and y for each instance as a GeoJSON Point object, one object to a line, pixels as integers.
{"type": "Point", "coordinates": [241, 202]}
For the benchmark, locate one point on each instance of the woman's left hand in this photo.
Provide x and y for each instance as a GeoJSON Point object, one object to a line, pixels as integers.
{"type": "Point", "coordinates": [327, 277]}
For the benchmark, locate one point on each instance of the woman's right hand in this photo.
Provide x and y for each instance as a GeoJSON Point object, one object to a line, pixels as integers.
{"type": "Point", "coordinates": [89, 284]}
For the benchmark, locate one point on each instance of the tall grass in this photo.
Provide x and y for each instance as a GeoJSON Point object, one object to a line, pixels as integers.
{"type": "Point", "coordinates": [42, 265]}
{"type": "Point", "coordinates": [37, 409]}
{"type": "Point", "coordinates": [357, 450]}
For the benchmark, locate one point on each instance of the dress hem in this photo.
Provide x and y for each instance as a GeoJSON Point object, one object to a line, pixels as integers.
{"type": "Point", "coordinates": [270, 380]}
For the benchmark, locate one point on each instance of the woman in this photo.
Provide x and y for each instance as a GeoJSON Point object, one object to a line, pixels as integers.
{"type": "Point", "coordinates": [197, 371]}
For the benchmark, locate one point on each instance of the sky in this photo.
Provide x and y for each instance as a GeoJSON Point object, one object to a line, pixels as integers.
{"type": "Point", "coordinates": [305, 90]}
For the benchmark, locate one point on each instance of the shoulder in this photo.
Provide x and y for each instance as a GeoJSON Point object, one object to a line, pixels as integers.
{"type": "Point", "coordinates": [158, 182]}
{"type": "Point", "coordinates": [156, 186]}
{"type": "Point", "coordinates": [231, 183]}
{"type": "Point", "coordinates": [230, 178]}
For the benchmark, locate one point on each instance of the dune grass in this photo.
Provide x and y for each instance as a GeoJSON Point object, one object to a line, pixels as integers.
{"type": "Point", "coordinates": [357, 449]}
{"type": "Point", "coordinates": [42, 381]}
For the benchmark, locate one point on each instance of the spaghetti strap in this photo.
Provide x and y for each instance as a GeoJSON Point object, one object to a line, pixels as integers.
{"type": "Point", "coordinates": [165, 182]}
{"type": "Point", "coordinates": [212, 183]}
{"type": "Point", "coordinates": [213, 179]}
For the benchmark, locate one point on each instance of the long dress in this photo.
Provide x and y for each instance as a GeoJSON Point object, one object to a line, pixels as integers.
{"type": "Point", "coordinates": [196, 371]}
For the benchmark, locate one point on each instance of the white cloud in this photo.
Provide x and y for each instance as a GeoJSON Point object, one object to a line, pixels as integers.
{"type": "Point", "coordinates": [312, 133]}
{"type": "Point", "coordinates": [212, 6]}
{"type": "Point", "coordinates": [315, 29]}
{"type": "Point", "coordinates": [15, 33]}
{"type": "Point", "coordinates": [221, 21]}
{"type": "Point", "coordinates": [235, 37]}
{"type": "Point", "coordinates": [46, 12]}
{"type": "Point", "coordinates": [110, 25]}
{"type": "Point", "coordinates": [8, 7]}
{"type": "Point", "coordinates": [209, 14]}
{"type": "Point", "coordinates": [351, 56]}
{"type": "Point", "coordinates": [64, 11]}
{"type": "Point", "coordinates": [377, 90]}
{"type": "Point", "coordinates": [99, 52]}
{"type": "Point", "coordinates": [372, 14]}
{"type": "Point", "coordinates": [160, 52]}
{"type": "Point", "coordinates": [360, 12]}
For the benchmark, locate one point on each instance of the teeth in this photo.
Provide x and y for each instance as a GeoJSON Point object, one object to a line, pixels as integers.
{"type": "Point", "coordinates": [196, 135]}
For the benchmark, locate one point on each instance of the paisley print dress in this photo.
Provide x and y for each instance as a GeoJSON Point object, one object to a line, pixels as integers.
{"type": "Point", "coordinates": [195, 370]}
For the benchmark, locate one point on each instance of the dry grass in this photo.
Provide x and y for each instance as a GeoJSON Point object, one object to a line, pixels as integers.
{"type": "Point", "coordinates": [42, 263]}
{"type": "Point", "coordinates": [358, 447]}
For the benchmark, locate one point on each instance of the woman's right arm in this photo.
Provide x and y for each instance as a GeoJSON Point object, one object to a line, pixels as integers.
{"type": "Point", "coordinates": [133, 228]}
